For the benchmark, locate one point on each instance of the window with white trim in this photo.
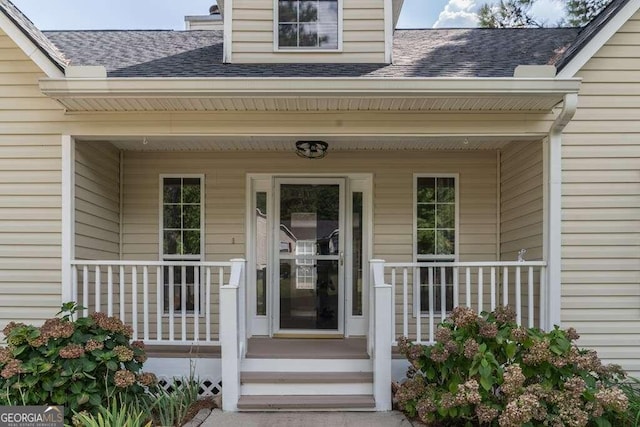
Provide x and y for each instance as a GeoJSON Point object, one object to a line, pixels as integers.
{"type": "Point", "coordinates": [182, 238]}
{"type": "Point", "coordinates": [436, 207]}
{"type": "Point", "coordinates": [308, 24]}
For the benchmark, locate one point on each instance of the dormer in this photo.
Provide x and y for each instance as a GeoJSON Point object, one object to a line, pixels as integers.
{"type": "Point", "coordinates": [309, 31]}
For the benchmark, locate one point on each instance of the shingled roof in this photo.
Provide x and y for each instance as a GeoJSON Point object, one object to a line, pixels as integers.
{"type": "Point", "coordinates": [472, 52]}
{"type": "Point", "coordinates": [33, 33]}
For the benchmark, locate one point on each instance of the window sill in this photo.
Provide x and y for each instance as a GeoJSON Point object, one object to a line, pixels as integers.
{"type": "Point", "coordinates": [305, 50]}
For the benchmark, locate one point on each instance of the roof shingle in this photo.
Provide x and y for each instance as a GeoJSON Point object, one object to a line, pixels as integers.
{"type": "Point", "coordinates": [472, 52]}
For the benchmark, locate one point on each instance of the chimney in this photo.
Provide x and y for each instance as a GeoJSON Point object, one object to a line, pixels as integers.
{"type": "Point", "coordinates": [212, 21]}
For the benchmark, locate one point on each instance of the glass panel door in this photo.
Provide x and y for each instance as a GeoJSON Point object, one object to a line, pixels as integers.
{"type": "Point", "coordinates": [309, 254]}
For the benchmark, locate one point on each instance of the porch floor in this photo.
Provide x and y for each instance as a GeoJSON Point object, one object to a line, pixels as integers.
{"type": "Point", "coordinates": [294, 348]}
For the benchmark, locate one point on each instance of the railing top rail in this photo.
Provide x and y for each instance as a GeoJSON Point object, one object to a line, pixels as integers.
{"type": "Point", "coordinates": [467, 264]}
{"type": "Point", "coordinates": [150, 263]}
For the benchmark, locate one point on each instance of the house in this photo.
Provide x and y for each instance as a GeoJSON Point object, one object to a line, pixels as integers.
{"type": "Point", "coordinates": [275, 203]}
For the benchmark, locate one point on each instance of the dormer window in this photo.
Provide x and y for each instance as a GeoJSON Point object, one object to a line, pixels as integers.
{"type": "Point", "coordinates": [308, 24]}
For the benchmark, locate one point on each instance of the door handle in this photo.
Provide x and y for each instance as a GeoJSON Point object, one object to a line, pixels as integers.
{"type": "Point", "coordinates": [341, 259]}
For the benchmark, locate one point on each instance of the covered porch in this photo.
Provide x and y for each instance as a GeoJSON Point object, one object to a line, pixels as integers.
{"type": "Point", "coordinates": [208, 231]}
{"type": "Point", "coordinates": [120, 265]}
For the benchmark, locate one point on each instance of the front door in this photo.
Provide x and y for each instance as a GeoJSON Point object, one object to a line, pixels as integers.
{"type": "Point", "coordinates": [309, 256]}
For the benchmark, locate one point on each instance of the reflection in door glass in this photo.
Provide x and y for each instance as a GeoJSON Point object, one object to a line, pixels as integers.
{"type": "Point", "coordinates": [261, 253]}
{"type": "Point", "coordinates": [357, 227]}
{"type": "Point", "coordinates": [309, 229]}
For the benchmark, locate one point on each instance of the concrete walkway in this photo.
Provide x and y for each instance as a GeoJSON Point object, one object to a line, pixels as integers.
{"type": "Point", "coordinates": [306, 419]}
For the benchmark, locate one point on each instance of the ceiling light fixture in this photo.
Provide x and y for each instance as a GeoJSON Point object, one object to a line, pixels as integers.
{"type": "Point", "coordinates": [311, 149]}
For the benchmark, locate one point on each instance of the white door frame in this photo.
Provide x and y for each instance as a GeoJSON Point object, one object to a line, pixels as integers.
{"type": "Point", "coordinates": [262, 182]}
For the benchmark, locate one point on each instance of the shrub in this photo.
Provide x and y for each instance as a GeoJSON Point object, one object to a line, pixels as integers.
{"type": "Point", "coordinates": [486, 370]}
{"type": "Point", "coordinates": [631, 388]}
{"type": "Point", "coordinates": [169, 407]}
{"type": "Point", "coordinates": [80, 363]}
{"type": "Point", "coordinates": [117, 414]}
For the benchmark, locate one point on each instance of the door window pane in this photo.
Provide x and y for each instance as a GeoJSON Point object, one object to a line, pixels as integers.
{"type": "Point", "coordinates": [357, 259]}
{"type": "Point", "coordinates": [261, 221]}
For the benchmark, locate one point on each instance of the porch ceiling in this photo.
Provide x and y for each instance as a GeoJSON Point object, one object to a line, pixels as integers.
{"type": "Point", "coordinates": [286, 143]}
{"type": "Point", "coordinates": [306, 94]}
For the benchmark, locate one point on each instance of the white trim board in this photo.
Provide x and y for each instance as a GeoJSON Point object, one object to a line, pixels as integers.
{"type": "Point", "coordinates": [599, 39]}
{"type": "Point", "coordinates": [29, 48]}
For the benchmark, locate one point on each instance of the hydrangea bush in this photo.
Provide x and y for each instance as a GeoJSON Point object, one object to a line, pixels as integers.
{"type": "Point", "coordinates": [81, 364]}
{"type": "Point", "coordinates": [486, 370]}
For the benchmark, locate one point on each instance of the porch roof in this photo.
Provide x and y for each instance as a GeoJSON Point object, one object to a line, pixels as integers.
{"type": "Point", "coordinates": [105, 94]}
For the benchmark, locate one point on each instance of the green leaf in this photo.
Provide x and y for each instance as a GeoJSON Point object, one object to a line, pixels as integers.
{"type": "Point", "coordinates": [19, 350]}
{"type": "Point", "coordinates": [82, 399]}
{"type": "Point", "coordinates": [511, 350]}
{"type": "Point", "coordinates": [113, 366]}
{"type": "Point", "coordinates": [602, 422]}
{"type": "Point", "coordinates": [486, 383]}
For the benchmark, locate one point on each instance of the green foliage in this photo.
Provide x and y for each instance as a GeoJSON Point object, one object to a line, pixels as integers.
{"type": "Point", "coordinates": [508, 14]}
{"type": "Point", "coordinates": [487, 370]}
{"type": "Point", "coordinates": [169, 407]}
{"type": "Point", "coordinates": [517, 13]}
{"type": "Point", "coordinates": [80, 363]}
{"type": "Point", "coordinates": [632, 389]}
{"type": "Point", "coordinates": [581, 12]}
{"type": "Point", "coordinates": [116, 414]}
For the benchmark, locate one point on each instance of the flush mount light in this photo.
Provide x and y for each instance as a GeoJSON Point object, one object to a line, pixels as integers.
{"type": "Point", "coordinates": [311, 149]}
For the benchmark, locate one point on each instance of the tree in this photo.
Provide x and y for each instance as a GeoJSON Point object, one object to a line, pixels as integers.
{"type": "Point", "coordinates": [508, 14]}
{"type": "Point", "coordinates": [581, 12]}
{"type": "Point", "coordinates": [517, 14]}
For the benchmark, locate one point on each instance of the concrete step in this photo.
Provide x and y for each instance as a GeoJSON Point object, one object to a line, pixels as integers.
{"type": "Point", "coordinates": [362, 402]}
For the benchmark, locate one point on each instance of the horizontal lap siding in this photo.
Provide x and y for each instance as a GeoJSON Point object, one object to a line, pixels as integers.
{"type": "Point", "coordinates": [30, 193]}
{"type": "Point", "coordinates": [601, 203]}
{"type": "Point", "coordinates": [225, 181]}
{"type": "Point", "coordinates": [363, 34]}
{"type": "Point", "coordinates": [97, 201]}
{"type": "Point", "coordinates": [521, 201]}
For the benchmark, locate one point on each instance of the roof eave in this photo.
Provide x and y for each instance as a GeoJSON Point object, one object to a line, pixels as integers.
{"type": "Point", "coordinates": [570, 65]}
{"type": "Point", "coordinates": [530, 93]}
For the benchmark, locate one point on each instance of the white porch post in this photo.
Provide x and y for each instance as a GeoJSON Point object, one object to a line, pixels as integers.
{"type": "Point", "coordinates": [231, 336]}
{"type": "Point", "coordinates": [553, 212]}
{"type": "Point", "coordinates": [68, 216]}
{"type": "Point", "coordinates": [382, 337]}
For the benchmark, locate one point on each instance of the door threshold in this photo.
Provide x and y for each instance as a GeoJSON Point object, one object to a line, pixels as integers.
{"type": "Point", "coordinates": [308, 336]}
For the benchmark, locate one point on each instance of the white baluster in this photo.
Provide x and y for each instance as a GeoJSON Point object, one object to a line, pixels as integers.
{"type": "Point", "coordinates": [159, 303]}
{"type": "Point", "coordinates": [183, 302]}
{"type": "Point", "coordinates": [531, 303]}
{"type": "Point", "coordinates": [405, 302]}
{"type": "Point", "coordinates": [110, 291]}
{"type": "Point", "coordinates": [456, 287]}
{"type": "Point", "coordinates": [443, 294]}
{"type": "Point", "coordinates": [505, 286]}
{"type": "Point", "coordinates": [468, 285]}
{"type": "Point", "coordinates": [98, 288]}
{"type": "Point", "coordinates": [134, 301]}
{"type": "Point", "coordinates": [480, 290]}
{"type": "Point", "coordinates": [431, 305]}
{"type": "Point", "coordinates": [207, 312]}
{"type": "Point", "coordinates": [85, 290]}
{"type": "Point", "coordinates": [493, 288]}
{"type": "Point", "coordinates": [145, 301]}
{"type": "Point", "coordinates": [518, 297]}
{"type": "Point", "coordinates": [172, 307]}
{"type": "Point", "coordinates": [122, 295]}
{"type": "Point", "coordinates": [196, 303]}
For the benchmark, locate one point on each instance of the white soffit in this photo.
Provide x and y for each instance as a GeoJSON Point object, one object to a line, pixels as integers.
{"type": "Point", "coordinates": [287, 143]}
{"type": "Point", "coordinates": [308, 94]}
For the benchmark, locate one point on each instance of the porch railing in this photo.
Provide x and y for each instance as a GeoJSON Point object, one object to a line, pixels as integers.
{"type": "Point", "coordinates": [423, 294]}
{"type": "Point", "coordinates": [166, 302]}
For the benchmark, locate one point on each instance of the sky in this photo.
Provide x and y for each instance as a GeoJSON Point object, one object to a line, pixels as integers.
{"type": "Point", "coordinates": [169, 14]}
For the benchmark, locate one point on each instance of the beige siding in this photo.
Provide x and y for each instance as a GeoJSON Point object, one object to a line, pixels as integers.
{"type": "Point", "coordinates": [97, 201]}
{"type": "Point", "coordinates": [225, 181]}
{"type": "Point", "coordinates": [363, 34]}
{"type": "Point", "coordinates": [601, 203]}
{"type": "Point", "coordinates": [521, 201]}
{"type": "Point", "coordinates": [30, 196]}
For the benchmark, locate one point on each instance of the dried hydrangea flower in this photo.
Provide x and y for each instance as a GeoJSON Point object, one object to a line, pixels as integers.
{"type": "Point", "coordinates": [124, 354]}
{"type": "Point", "coordinates": [11, 368]}
{"type": "Point", "coordinates": [5, 355]}
{"type": "Point", "coordinates": [147, 379]}
{"type": "Point", "coordinates": [93, 345]}
{"type": "Point", "coordinates": [124, 379]}
{"type": "Point", "coordinates": [513, 380]}
{"type": "Point", "coordinates": [443, 334]}
{"type": "Point", "coordinates": [486, 414]}
{"type": "Point", "coordinates": [72, 351]}
{"type": "Point", "coordinates": [505, 314]}
{"type": "Point", "coordinates": [471, 347]}
{"type": "Point", "coordinates": [10, 327]}
{"type": "Point", "coordinates": [463, 316]}
{"type": "Point", "coordinates": [439, 354]}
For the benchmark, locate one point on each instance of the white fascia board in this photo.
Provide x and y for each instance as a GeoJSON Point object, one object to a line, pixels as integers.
{"type": "Point", "coordinates": [29, 48]}
{"type": "Point", "coordinates": [603, 36]}
{"type": "Point", "coordinates": [176, 87]}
